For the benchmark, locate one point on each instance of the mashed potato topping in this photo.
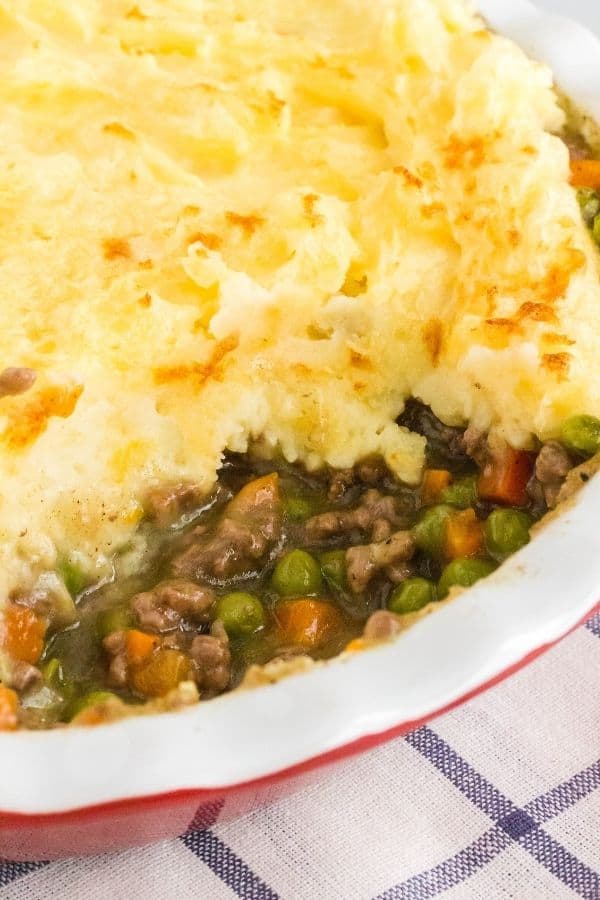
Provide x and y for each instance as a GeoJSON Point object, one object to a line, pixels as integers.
{"type": "Point", "coordinates": [245, 219]}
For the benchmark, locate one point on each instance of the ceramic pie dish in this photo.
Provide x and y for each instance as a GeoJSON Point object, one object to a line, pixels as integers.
{"type": "Point", "coordinates": [82, 790]}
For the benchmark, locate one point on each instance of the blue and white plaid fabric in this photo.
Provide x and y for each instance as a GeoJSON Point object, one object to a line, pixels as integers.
{"type": "Point", "coordinates": [498, 799]}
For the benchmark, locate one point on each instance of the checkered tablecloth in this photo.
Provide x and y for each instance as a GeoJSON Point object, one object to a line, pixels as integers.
{"type": "Point", "coordinates": [495, 800]}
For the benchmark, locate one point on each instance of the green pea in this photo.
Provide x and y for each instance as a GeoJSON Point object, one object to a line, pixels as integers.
{"type": "Point", "coordinates": [596, 230]}
{"type": "Point", "coordinates": [333, 568]}
{"type": "Point", "coordinates": [462, 493]}
{"type": "Point", "coordinates": [73, 576]}
{"type": "Point", "coordinates": [296, 574]}
{"type": "Point", "coordinates": [581, 434]}
{"type": "Point", "coordinates": [506, 531]}
{"type": "Point", "coordinates": [298, 508]}
{"type": "Point", "coordinates": [463, 572]}
{"type": "Point", "coordinates": [90, 699]}
{"type": "Point", "coordinates": [589, 203]}
{"type": "Point", "coordinates": [411, 595]}
{"type": "Point", "coordinates": [240, 613]}
{"type": "Point", "coordinates": [429, 531]}
{"type": "Point", "coordinates": [116, 618]}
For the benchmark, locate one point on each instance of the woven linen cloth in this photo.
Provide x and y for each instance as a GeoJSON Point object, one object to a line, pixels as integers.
{"type": "Point", "coordinates": [498, 799]}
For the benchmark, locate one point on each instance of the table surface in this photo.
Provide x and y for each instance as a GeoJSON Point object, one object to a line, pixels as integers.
{"type": "Point", "coordinates": [499, 799]}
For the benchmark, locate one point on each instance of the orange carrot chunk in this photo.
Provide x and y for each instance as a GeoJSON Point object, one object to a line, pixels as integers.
{"type": "Point", "coordinates": [161, 673]}
{"type": "Point", "coordinates": [585, 173]}
{"type": "Point", "coordinates": [307, 622]}
{"type": "Point", "coordinates": [23, 633]}
{"type": "Point", "coordinates": [434, 482]}
{"type": "Point", "coordinates": [9, 704]}
{"type": "Point", "coordinates": [463, 535]}
{"type": "Point", "coordinates": [504, 478]}
{"type": "Point", "coordinates": [139, 645]}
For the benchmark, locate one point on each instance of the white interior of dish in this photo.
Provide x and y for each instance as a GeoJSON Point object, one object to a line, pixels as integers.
{"type": "Point", "coordinates": [534, 599]}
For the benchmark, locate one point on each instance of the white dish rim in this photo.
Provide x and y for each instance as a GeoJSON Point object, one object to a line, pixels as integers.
{"type": "Point", "coordinates": [478, 638]}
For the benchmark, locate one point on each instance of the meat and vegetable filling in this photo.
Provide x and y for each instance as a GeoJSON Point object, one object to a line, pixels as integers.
{"type": "Point", "coordinates": [279, 563]}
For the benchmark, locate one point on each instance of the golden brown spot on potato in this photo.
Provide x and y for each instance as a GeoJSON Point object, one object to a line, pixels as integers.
{"type": "Point", "coordinates": [119, 130]}
{"type": "Point", "coordinates": [248, 224]}
{"type": "Point", "coordinates": [557, 363]}
{"type": "Point", "coordinates": [359, 361]}
{"type": "Point", "coordinates": [275, 103]}
{"type": "Point", "coordinates": [426, 171]}
{"type": "Point", "coordinates": [146, 300]}
{"type": "Point", "coordinates": [531, 151]}
{"type": "Point", "coordinates": [354, 284]}
{"type": "Point", "coordinates": [27, 422]}
{"type": "Point", "coordinates": [509, 326]}
{"type": "Point", "coordinates": [464, 152]}
{"type": "Point", "coordinates": [552, 337]}
{"type": "Point", "coordinates": [191, 211]}
{"type": "Point", "coordinates": [431, 209]}
{"type": "Point", "coordinates": [145, 264]}
{"type": "Point", "coordinates": [433, 335]}
{"type": "Point", "coordinates": [209, 240]}
{"type": "Point", "coordinates": [554, 285]}
{"type": "Point", "coordinates": [302, 369]}
{"type": "Point", "coordinates": [309, 201]}
{"type": "Point", "coordinates": [538, 312]}
{"type": "Point", "coordinates": [135, 13]}
{"type": "Point", "coordinates": [116, 248]}
{"type": "Point", "coordinates": [514, 237]}
{"type": "Point", "coordinates": [197, 372]}
{"type": "Point", "coordinates": [491, 293]}
{"type": "Point", "coordinates": [409, 179]}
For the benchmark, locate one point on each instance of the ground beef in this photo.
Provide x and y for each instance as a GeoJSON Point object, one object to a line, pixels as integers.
{"type": "Point", "coordinates": [366, 560]}
{"type": "Point", "coordinates": [118, 671]}
{"type": "Point", "coordinates": [165, 606]}
{"type": "Point", "coordinates": [212, 660]}
{"type": "Point", "coordinates": [476, 446]}
{"type": "Point", "coordinates": [249, 527]}
{"type": "Point", "coordinates": [381, 625]}
{"type": "Point", "coordinates": [23, 675]}
{"type": "Point", "coordinates": [372, 470]}
{"type": "Point", "coordinates": [373, 509]}
{"type": "Point", "coordinates": [552, 466]}
{"type": "Point", "coordinates": [165, 504]}
{"type": "Point", "coordinates": [340, 481]}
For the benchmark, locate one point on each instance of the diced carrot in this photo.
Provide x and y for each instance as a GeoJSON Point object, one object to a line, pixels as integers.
{"type": "Point", "coordinates": [139, 645]}
{"type": "Point", "coordinates": [23, 633]}
{"type": "Point", "coordinates": [434, 482]}
{"type": "Point", "coordinates": [160, 673]}
{"type": "Point", "coordinates": [259, 493]}
{"type": "Point", "coordinates": [307, 622]}
{"type": "Point", "coordinates": [463, 535]}
{"type": "Point", "coordinates": [504, 479]}
{"type": "Point", "coordinates": [585, 173]}
{"type": "Point", "coordinates": [9, 704]}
